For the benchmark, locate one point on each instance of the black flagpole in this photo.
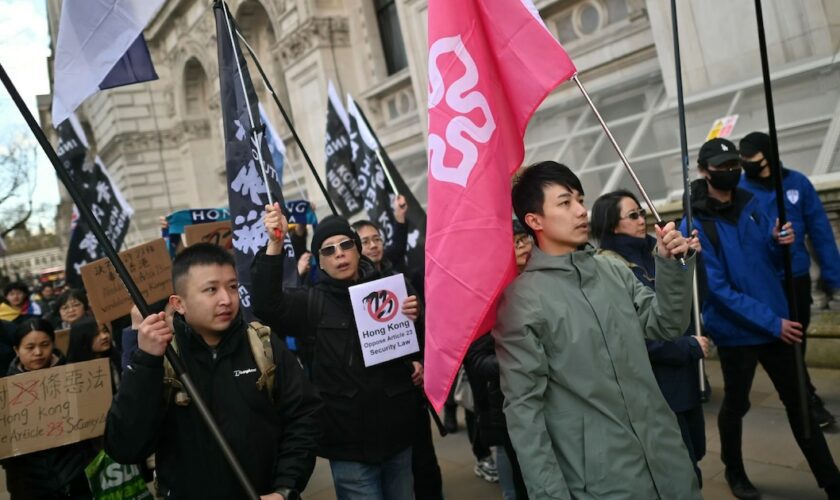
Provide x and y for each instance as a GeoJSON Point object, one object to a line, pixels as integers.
{"type": "Point", "coordinates": [288, 122]}
{"type": "Point", "coordinates": [131, 286]}
{"type": "Point", "coordinates": [689, 220]}
{"type": "Point", "coordinates": [776, 169]}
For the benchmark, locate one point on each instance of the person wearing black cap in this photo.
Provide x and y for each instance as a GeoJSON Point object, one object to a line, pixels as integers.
{"type": "Point", "coordinates": [746, 312]}
{"type": "Point", "coordinates": [806, 212]}
{"type": "Point", "coordinates": [369, 413]}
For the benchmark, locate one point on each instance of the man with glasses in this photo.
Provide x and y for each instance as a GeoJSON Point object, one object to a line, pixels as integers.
{"type": "Point", "coordinates": [806, 213]}
{"type": "Point", "coordinates": [391, 259]}
{"type": "Point", "coordinates": [746, 312]}
{"type": "Point", "coordinates": [369, 414]}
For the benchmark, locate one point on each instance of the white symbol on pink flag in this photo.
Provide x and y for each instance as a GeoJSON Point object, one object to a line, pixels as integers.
{"type": "Point", "coordinates": [462, 133]}
{"type": "Point", "coordinates": [491, 63]}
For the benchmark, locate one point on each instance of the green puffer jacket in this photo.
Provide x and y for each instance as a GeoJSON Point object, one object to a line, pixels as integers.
{"type": "Point", "coordinates": [584, 412]}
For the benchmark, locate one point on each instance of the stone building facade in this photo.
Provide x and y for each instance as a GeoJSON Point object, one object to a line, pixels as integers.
{"type": "Point", "coordinates": [162, 141]}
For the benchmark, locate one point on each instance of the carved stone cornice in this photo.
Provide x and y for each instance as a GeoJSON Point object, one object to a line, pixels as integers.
{"type": "Point", "coordinates": [130, 143]}
{"type": "Point", "coordinates": [314, 33]}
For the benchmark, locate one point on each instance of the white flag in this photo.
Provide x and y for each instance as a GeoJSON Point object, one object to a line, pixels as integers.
{"type": "Point", "coordinates": [93, 36]}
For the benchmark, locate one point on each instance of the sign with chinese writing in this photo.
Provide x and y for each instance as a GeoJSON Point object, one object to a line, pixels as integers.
{"type": "Point", "coordinates": [722, 127]}
{"type": "Point", "coordinates": [151, 269]}
{"type": "Point", "coordinates": [52, 407]}
{"type": "Point", "coordinates": [217, 233]}
{"type": "Point", "coordinates": [384, 332]}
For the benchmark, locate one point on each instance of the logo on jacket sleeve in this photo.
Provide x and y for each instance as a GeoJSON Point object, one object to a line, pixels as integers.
{"type": "Point", "coordinates": [793, 195]}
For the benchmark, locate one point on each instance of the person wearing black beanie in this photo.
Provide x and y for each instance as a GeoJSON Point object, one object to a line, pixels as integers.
{"type": "Point", "coordinates": [804, 209]}
{"type": "Point", "coordinates": [369, 415]}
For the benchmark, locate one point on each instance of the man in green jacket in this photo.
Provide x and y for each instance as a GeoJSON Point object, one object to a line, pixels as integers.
{"type": "Point", "coordinates": [584, 412]}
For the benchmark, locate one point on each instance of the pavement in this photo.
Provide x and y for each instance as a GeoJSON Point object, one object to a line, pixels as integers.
{"type": "Point", "coordinates": [773, 461]}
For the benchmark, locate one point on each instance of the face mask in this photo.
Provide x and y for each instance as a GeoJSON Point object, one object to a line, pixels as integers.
{"type": "Point", "coordinates": [752, 169]}
{"type": "Point", "coordinates": [726, 180]}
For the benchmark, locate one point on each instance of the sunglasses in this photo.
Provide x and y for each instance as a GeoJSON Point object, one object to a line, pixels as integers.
{"type": "Point", "coordinates": [636, 214]}
{"type": "Point", "coordinates": [331, 249]}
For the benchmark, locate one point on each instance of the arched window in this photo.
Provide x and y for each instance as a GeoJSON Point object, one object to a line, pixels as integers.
{"type": "Point", "coordinates": [195, 88]}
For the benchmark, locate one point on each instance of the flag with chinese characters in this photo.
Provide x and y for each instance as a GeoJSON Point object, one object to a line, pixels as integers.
{"type": "Point", "coordinates": [491, 63]}
{"type": "Point", "coordinates": [244, 146]}
{"type": "Point", "coordinates": [99, 193]}
{"type": "Point", "coordinates": [378, 198]}
{"type": "Point", "coordinates": [342, 183]}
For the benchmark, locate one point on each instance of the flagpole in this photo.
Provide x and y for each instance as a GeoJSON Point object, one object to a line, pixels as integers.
{"type": "Point", "coordinates": [689, 219]}
{"type": "Point", "coordinates": [131, 286]}
{"type": "Point", "coordinates": [776, 169]}
{"type": "Point", "coordinates": [378, 150]}
{"type": "Point", "coordinates": [630, 171]}
{"type": "Point", "coordinates": [387, 173]}
{"type": "Point", "coordinates": [618, 150]}
{"type": "Point", "coordinates": [289, 123]}
{"type": "Point", "coordinates": [256, 136]}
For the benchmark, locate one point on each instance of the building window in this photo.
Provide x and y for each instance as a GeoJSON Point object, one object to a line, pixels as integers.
{"type": "Point", "coordinates": [195, 88]}
{"type": "Point", "coordinates": [391, 35]}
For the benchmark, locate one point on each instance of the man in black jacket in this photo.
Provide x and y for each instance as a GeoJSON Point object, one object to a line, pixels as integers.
{"type": "Point", "coordinates": [369, 413]}
{"type": "Point", "coordinates": [273, 436]}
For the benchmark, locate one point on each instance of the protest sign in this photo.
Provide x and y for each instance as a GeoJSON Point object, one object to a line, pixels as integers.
{"type": "Point", "coordinates": [217, 233]}
{"type": "Point", "coordinates": [149, 266]}
{"type": "Point", "coordinates": [113, 481]}
{"type": "Point", "coordinates": [722, 127]}
{"type": "Point", "coordinates": [52, 407]}
{"type": "Point", "coordinates": [62, 340]}
{"type": "Point", "coordinates": [384, 332]}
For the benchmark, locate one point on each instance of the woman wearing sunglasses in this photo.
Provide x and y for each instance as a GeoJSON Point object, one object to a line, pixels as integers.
{"type": "Point", "coordinates": [369, 415]}
{"type": "Point", "coordinates": [618, 223]}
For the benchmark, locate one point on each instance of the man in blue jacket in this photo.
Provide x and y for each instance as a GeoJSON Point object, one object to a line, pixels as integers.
{"type": "Point", "coordinates": [805, 211]}
{"type": "Point", "coordinates": [746, 312]}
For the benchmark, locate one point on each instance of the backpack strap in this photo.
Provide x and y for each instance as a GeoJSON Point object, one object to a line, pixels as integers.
{"type": "Point", "coordinates": [259, 338]}
{"type": "Point", "coordinates": [173, 389]}
{"type": "Point", "coordinates": [710, 228]}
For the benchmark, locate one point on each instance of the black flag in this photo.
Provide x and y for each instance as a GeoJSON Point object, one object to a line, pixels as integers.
{"type": "Point", "coordinates": [342, 185]}
{"type": "Point", "coordinates": [247, 160]}
{"type": "Point", "coordinates": [377, 195]}
{"type": "Point", "coordinates": [99, 193]}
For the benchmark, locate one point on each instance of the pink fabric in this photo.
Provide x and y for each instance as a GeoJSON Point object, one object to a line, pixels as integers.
{"type": "Point", "coordinates": [491, 63]}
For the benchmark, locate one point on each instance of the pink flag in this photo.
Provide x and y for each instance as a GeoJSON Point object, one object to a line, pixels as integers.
{"type": "Point", "coordinates": [491, 63]}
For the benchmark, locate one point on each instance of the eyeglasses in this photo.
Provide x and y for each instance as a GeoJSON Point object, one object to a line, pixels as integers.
{"type": "Point", "coordinates": [70, 305]}
{"type": "Point", "coordinates": [373, 240]}
{"type": "Point", "coordinates": [524, 241]}
{"type": "Point", "coordinates": [331, 249]}
{"type": "Point", "coordinates": [636, 214]}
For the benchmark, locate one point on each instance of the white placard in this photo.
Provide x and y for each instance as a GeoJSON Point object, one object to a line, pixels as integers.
{"type": "Point", "coordinates": [384, 331]}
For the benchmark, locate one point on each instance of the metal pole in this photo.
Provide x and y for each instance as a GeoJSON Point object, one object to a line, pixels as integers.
{"type": "Point", "coordinates": [659, 221]}
{"type": "Point", "coordinates": [618, 150]}
{"type": "Point", "coordinates": [776, 169]}
{"type": "Point", "coordinates": [689, 220]}
{"type": "Point", "coordinates": [290, 125]}
{"type": "Point", "coordinates": [131, 286]}
{"type": "Point", "coordinates": [387, 173]}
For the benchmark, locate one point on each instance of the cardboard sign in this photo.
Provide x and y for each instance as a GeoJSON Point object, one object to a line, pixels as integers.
{"type": "Point", "coordinates": [722, 127]}
{"type": "Point", "coordinates": [62, 340]}
{"type": "Point", "coordinates": [52, 407]}
{"type": "Point", "coordinates": [217, 233]}
{"type": "Point", "coordinates": [151, 269]}
{"type": "Point", "coordinates": [384, 332]}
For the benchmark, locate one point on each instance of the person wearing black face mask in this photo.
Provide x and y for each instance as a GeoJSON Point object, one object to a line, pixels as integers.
{"type": "Point", "coordinates": [745, 311]}
{"type": "Point", "coordinates": [805, 211]}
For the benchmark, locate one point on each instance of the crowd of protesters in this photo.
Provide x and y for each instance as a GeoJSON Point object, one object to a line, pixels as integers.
{"type": "Point", "coordinates": [587, 387]}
